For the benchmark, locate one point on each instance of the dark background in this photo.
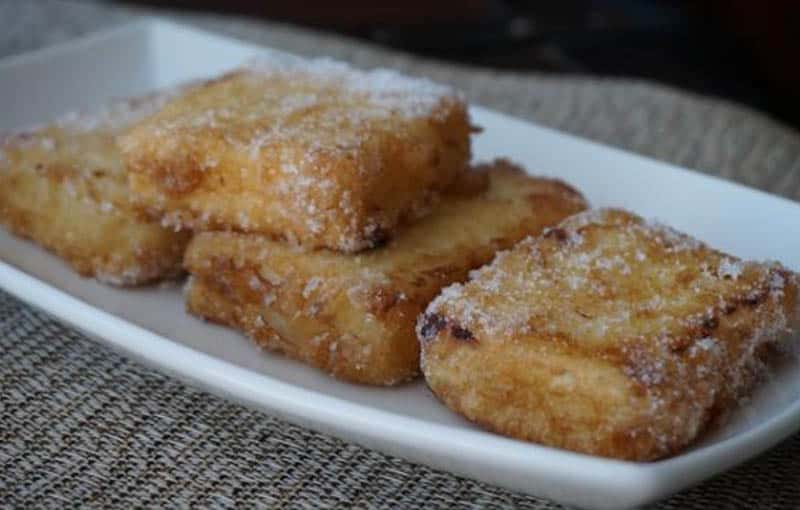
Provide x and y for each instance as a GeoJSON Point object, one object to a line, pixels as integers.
{"type": "Point", "coordinates": [746, 51]}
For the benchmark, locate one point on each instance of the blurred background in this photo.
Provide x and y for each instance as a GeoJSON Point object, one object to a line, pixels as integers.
{"type": "Point", "coordinates": [745, 51]}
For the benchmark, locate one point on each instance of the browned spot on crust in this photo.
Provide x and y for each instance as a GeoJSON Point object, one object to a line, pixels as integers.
{"type": "Point", "coordinates": [709, 324]}
{"type": "Point", "coordinates": [177, 179]}
{"type": "Point", "coordinates": [460, 333]}
{"type": "Point", "coordinates": [681, 343]}
{"type": "Point", "coordinates": [684, 277]}
{"type": "Point", "coordinates": [755, 298]}
{"type": "Point", "coordinates": [432, 324]}
{"type": "Point", "coordinates": [377, 237]}
{"type": "Point", "coordinates": [470, 183]}
{"type": "Point", "coordinates": [557, 233]}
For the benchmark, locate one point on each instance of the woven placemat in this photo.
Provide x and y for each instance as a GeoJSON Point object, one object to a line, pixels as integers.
{"type": "Point", "coordinates": [83, 426]}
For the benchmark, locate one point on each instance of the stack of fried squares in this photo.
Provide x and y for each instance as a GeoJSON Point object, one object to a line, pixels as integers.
{"type": "Point", "coordinates": [330, 206]}
{"type": "Point", "coordinates": [335, 217]}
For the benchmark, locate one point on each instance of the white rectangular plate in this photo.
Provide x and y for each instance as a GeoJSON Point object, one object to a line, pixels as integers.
{"type": "Point", "coordinates": [150, 324]}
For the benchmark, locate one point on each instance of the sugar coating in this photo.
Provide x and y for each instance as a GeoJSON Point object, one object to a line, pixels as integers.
{"type": "Point", "coordinates": [578, 269]}
{"type": "Point", "coordinates": [312, 151]}
{"type": "Point", "coordinates": [686, 325]}
{"type": "Point", "coordinates": [384, 89]}
{"type": "Point", "coordinates": [346, 101]}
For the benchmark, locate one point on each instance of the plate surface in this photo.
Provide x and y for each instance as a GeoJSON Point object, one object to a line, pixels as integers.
{"type": "Point", "coordinates": [150, 324]}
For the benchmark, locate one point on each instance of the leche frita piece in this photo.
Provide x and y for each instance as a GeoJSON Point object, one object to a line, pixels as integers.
{"type": "Point", "coordinates": [308, 151]}
{"type": "Point", "coordinates": [64, 186]}
{"type": "Point", "coordinates": [353, 316]}
{"type": "Point", "coordinates": [607, 335]}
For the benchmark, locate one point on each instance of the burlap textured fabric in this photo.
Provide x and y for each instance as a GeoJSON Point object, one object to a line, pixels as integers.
{"type": "Point", "coordinates": [83, 426]}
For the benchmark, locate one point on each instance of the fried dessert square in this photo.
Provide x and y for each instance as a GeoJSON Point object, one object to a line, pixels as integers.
{"type": "Point", "coordinates": [309, 151]}
{"type": "Point", "coordinates": [607, 335]}
{"type": "Point", "coordinates": [64, 186]}
{"type": "Point", "coordinates": [353, 316]}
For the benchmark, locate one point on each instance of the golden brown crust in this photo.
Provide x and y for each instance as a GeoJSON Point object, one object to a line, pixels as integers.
{"type": "Point", "coordinates": [606, 335]}
{"type": "Point", "coordinates": [318, 155]}
{"type": "Point", "coordinates": [353, 315]}
{"type": "Point", "coordinates": [64, 187]}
